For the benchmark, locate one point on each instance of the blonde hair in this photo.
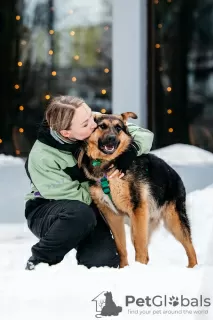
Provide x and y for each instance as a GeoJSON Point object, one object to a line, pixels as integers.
{"type": "Point", "coordinates": [60, 112]}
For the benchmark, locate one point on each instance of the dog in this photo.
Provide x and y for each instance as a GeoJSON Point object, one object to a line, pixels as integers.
{"type": "Point", "coordinates": [110, 308]}
{"type": "Point", "coordinates": [149, 192]}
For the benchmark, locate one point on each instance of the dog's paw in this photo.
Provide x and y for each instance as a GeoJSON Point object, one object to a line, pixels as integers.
{"type": "Point", "coordinates": [173, 301]}
{"type": "Point", "coordinates": [123, 263]}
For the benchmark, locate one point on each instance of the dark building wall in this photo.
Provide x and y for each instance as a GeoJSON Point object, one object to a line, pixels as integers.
{"type": "Point", "coordinates": [181, 72]}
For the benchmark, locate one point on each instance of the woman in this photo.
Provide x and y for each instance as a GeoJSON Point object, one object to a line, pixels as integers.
{"type": "Point", "coordinates": [59, 209]}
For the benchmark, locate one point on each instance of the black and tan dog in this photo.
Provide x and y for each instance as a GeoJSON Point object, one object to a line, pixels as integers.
{"type": "Point", "coordinates": [150, 190]}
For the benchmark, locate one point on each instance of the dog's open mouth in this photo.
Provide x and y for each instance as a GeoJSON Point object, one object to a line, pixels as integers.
{"type": "Point", "coordinates": [108, 148]}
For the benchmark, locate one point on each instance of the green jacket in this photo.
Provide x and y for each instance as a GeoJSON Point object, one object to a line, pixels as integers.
{"type": "Point", "coordinates": [53, 169]}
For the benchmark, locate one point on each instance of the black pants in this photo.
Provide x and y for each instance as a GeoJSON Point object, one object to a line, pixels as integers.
{"type": "Point", "coordinates": [63, 225]}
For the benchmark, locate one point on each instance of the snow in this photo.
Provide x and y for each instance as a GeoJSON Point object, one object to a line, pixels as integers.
{"type": "Point", "coordinates": [184, 154]}
{"type": "Point", "coordinates": [66, 290]}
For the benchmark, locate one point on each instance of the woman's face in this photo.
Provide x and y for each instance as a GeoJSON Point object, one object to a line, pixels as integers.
{"type": "Point", "coordinates": [83, 124]}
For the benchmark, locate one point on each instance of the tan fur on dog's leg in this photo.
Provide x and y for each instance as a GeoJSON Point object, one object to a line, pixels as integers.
{"type": "Point", "coordinates": [139, 227]}
{"type": "Point", "coordinates": [172, 223]}
{"type": "Point", "coordinates": [116, 224]}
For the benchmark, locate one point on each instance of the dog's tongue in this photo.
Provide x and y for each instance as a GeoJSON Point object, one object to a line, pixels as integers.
{"type": "Point", "coordinates": [109, 147]}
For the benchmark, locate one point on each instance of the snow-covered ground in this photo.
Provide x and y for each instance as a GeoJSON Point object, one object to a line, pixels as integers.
{"type": "Point", "coordinates": [66, 290]}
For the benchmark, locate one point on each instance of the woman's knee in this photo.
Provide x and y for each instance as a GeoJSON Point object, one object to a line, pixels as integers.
{"type": "Point", "coordinates": [106, 258]}
{"type": "Point", "coordinates": [79, 212]}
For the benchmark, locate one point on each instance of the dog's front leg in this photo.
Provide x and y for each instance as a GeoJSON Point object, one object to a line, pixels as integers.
{"type": "Point", "coordinates": [139, 229]}
{"type": "Point", "coordinates": [115, 222]}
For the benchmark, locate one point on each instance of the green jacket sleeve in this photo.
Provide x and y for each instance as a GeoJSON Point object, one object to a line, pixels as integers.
{"type": "Point", "coordinates": [142, 137]}
{"type": "Point", "coordinates": [53, 183]}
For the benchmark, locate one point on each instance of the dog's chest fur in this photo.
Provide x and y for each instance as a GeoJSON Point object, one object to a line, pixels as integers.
{"type": "Point", "coordinates": [123, 198]}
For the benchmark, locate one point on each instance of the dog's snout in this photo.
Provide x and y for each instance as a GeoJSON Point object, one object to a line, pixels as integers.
{"type": "Point", "coordinates": [111, 138]}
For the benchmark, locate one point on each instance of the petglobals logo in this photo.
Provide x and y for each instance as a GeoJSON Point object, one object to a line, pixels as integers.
{"type": "Point", "coordinates": [165, 301]}
{"type": "Point", "coordinates": [105, 305]}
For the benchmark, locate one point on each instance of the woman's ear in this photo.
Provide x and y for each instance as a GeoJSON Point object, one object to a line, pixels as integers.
{"type": "Point", "coordinates": [65, 133]}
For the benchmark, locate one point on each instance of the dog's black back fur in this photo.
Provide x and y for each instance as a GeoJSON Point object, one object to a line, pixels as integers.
{"type": "Point", "coordinates": [165, 184]}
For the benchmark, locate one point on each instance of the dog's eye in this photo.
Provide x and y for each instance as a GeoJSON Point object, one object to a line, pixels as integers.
{"type": "Point", "coordinates": [103, 126]}
{"type": "Point", "coordinates": [118, 128]}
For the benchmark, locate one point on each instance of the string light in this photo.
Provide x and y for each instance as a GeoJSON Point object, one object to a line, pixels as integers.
{"type": "Point", "coordinates": [171, 130]}
{"type": "Point", "coordinates": [103, 110]}
{"type": "Point", "coordinates": [23, 42]}
{"type": "Point", "coordinates": [21, 130]}
{"type": "Point", "coordinates": [106, 70]}
{"type": "Point", "coordinates": [51, 52]}
{"type": "Point", "coordinates": [18, 18]}
{"type": "Point", "coordinates": [72, 33]}
{"type": "Point", "coordinates": [20, 64]}
{"type": "Point", "coordinates": [70, 11]}
{"type": "Point", "coordinates": [169, 111]}
{"type": "Point", "coordinates": [47, 97]}
{"type": "Point", "coordinates": [1, 140]}
{"type": "Point", "coordinates": [169, 89]}
{"type": "Point", "coordinates": [160, 25]}
{"type": "Point", "coordinates": [18, 152]}
{"type": "Point", "coordinates": [157, 46]}
{"type": "Point", "coordinates": [21, 108]}
{"type": "Point", "coordinates": [169, 1]}
{"type": "Point", "coordinates": [156, 1]}
{"type": "Point", "coordinates": [74, 79]}
{"type": "Point", "coordinates": [51, 32]}
{"type": "Point", "coordinates": [76, 57]}
{"type": "Point", "coordinates": [103, 91]}
{"type": "Point", "coordinates": [16, 86]}
{"type": "Point", "coordinates": [54, 73]}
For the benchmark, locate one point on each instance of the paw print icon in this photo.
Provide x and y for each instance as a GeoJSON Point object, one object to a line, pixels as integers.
{"type": "Point", "coordinates": [173, 301]}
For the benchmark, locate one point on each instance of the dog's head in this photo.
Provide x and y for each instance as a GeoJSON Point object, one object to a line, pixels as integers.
{"type": "Point", "coordinates": [110, 138]}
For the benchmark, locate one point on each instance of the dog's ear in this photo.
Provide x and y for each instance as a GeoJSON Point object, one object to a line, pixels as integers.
{"type": "Point", "coordinates": [127, 115]}
{"type": "Point", "coordinates": [96, 116]}
{"type": "Point", "coordinates": [80, 157]}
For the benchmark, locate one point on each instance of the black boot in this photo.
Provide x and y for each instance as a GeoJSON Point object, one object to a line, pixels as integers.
{"type": "Point", "coordinates": [31, 263]}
